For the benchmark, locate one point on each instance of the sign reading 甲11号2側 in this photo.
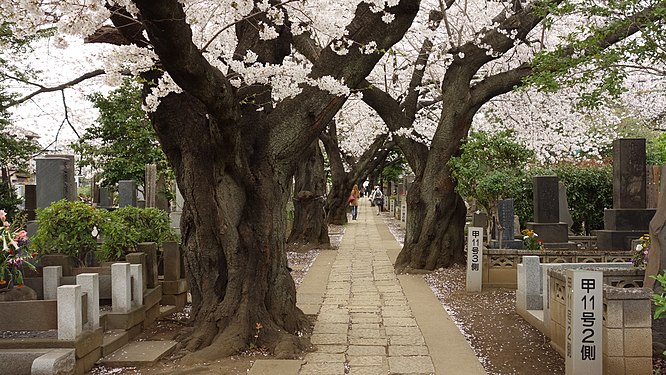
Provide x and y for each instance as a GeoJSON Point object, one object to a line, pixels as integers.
{"type": "Point", "coordinates": [474, 259]}
{"type": "Point", "coordinates": [584, 301]}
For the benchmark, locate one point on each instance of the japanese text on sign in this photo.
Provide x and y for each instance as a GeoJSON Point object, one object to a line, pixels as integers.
{"type": "Point", "coordinates": [583, 321]}
{"type": "Point", "coordinates": [474, 258]}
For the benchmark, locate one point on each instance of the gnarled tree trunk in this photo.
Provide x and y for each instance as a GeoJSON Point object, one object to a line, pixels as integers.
{"type": "Point", "coordinates": [234, 150]}
{"type": "Point", "coordinates": [233, 240]}
{"type": "Point", "coordinates": [435, 221]}
{"type": "Point", "coordinates": [309, 229]}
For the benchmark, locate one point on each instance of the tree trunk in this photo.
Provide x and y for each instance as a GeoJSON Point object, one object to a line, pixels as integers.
{"type": "Point", "coordinates": [233, 240]}
{"type": "Point", "coordinates": [435, 223]}
{"type": "Point", "coordinates": [435, 211]}
{"type": "Point", "coordinates": [336, 203]}
{"type": "Point", "coordinates": [309, 229]}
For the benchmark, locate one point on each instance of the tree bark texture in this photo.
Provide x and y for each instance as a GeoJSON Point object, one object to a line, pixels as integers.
{"type": "Point", "coordinates": [234, 152]}
{"type": "Point", "coordinates": [233, 241]}
{"type": "Point", "coordinates": [309, 229]}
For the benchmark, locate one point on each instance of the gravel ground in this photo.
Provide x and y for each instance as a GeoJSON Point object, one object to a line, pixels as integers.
{"type": "Point", "coordinates": [504, 343]}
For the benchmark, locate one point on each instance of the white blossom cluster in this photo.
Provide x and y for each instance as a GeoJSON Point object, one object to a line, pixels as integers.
{"type": "Point", "coordinates": [551, 124]}
{"type": "Point", "coordinates": [529, 113]}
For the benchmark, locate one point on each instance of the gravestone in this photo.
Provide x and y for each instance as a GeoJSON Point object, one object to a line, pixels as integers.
{"type": "Point", "coordinates": [177, 210]}
{"type": "Point", "coordinates": [127, 193]}
{"type": "Point", "coordinates": [55, 180]}
{"type": "Point", "coordinates": [480, 219]}
{"type": "Point", "coordinates": [31, 201]}
{"type": "Point", "coordinates": [161, 198]}
{"type": "Point", "coordinates": [565, 214]}
{"type": "Point", "coordinates": [105, 197]}
{"type": "Point", "coordinates": [547, 224]}
{"type": "Point", "coordinates": [504, 234]}
{"type": "Point", "coordinates": [545, 195]}
{"type": "Point", "coordinates": [629, 218]}
{"type": "Point", "coordinates": [151, 185]}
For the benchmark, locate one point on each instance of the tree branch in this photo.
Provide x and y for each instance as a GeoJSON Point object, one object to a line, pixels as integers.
{"type": "Point", "coordinates": [171, 37]}
{"type": "Point", "coordinates": [44, 89]}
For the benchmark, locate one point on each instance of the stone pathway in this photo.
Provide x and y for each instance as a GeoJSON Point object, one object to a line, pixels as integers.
{"type": "Point", "coordinates": [365, 322]}
{"type": "Point", "coordinates": [369, 320]}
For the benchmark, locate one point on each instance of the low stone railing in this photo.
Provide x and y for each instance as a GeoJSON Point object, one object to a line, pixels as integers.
{"type": "Point", "coordinates": [500, 265]}
{"type": "Point", "coordinates": [627, 335]}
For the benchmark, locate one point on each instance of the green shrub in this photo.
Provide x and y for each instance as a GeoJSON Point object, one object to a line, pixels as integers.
{"type": "Point", "coordinates": [128, 226]}
{"type": "Point", "coordinates": [490, 167]}
{"type": "Point", "coordinates": [67, 227]}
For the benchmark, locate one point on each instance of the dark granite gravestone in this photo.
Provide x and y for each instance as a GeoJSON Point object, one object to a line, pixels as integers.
{"type": "Point", "coordinates": [55, 180]}
{"type": "Point", "coordinates": [629, 174]}
{"type": "Point", "coordinates": [504, 233]}
{"type": "Point", "coordinates": [105, 198]}
{"type": "Point", "coordinates": [127, 193]}
{"type": "Point", "coordinates": [546, 199]}
{"type": "Point", "coordinates": [629, 218]}
{"type": "Point", "coordinates": [480, 219]}
{"type": "Point", "coordinates": [547, 224]}
{"type": "Point", "coordinates": [30, 201]}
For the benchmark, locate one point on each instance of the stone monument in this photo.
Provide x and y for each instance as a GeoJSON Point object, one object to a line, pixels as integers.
{"type": "Point", "coordinates": [127, 193]}
{"type": "Point", "coordinates": [547, 224]}
{"type": "Point", "coordinates": [629, 218]}
{"type": "Point", "coordinates": [504, 233]}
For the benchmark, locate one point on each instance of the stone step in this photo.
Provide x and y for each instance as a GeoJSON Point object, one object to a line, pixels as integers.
{"type": "Point", "coordinates": [139, 353]}
{"type": "Point", "coordinates": [166, 310]}
{"type": "Point", "coordinates": [114, 340]}
{"type": "Point", "coordinates": [276, 367]}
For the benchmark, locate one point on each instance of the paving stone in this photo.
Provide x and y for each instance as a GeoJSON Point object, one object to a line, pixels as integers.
{"type": "Point", "coordinates": [365, 326]}
{"type": "Point", "coordinates": [366, 350]}
{"type": "Point", "coordinates": [406, 340]}
{"type": "Point", "coordinates": [333, 318]}
{"type": "Point", "coordinates": [325, 357]}
{"type": "Point", "coordinates": [331, 328]}
{"type": "Point", "coordinates": [400, 322]}
{"type": "Point", "coordinates": [322, 369]}
{"type": "Point", "coordinates": [329, 338]}
{"type": "Point", "coordinates": [383, 341]}
{"type": "Point", "coordinates": [396, 302]}
{"type": "Point", "coordinates": [374, 370]}
{"type": "Point", "coordinates": [374, 309]}
{"type": "Point", "coordinates": [374, 360]}
{"type": "Point", "coordinates": [139, 353]}
{"type": "Point", "coordinates": [407, 350]}
{"type": "Point", "coordinates": [323, 348]}
{"type": "Point", "coordinates": [411, 365]}
{"type": "Point", "coordinates": [367, 333]}
{"type": "Point", "coordinates": [403, 331]}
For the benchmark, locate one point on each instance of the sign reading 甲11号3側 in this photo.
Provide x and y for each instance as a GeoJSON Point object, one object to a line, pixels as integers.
{"type": "Point", "coordinates": [474, 259]}
{"type": "Point", "coordinates": [584, 301]}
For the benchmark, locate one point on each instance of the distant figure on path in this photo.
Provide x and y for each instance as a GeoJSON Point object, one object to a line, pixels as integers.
{"type": "Point", "coordinates": [353, 201]}
{"type": "Point", "coordinates": [377, 198]}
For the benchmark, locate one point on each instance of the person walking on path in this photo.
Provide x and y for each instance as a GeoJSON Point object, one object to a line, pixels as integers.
{"type": "Point", "coordinates": [354, 196]}
{"type": "Point", "coordinates": [377, 198]}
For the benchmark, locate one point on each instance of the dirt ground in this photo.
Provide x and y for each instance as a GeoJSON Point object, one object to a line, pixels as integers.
{"type": "Point", "coordinates": [504, 342]}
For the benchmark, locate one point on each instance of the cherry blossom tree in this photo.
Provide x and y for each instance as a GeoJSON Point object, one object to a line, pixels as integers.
{"type": "Point", "coordinates": [452, 73]}
{"type": "Point", "coordinates": [234, 108]}
{"type": "Point", "coordinates": [238, 90]}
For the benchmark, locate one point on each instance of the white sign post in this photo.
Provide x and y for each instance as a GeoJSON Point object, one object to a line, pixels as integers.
{"type": "Point", "coordinates": [474, 259]}
{"type": "Point", "coordinates": [584, 301]}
